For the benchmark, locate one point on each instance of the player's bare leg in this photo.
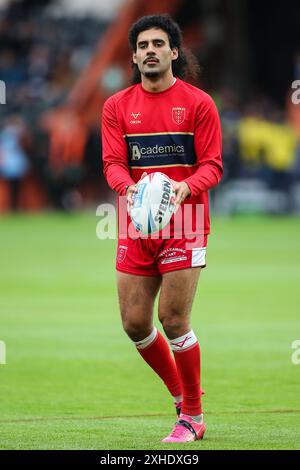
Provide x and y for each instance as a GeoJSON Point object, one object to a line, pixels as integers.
{"type": "Point", "coordinates": [136, 297]}
{"type": "Point", "coordinates": [178, 290]}
{"type": "Point", "coordinates": [175, 303]}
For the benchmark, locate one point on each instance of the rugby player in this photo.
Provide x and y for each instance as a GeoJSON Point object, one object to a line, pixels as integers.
{"type": "Point", "coordinates": [163, 123]}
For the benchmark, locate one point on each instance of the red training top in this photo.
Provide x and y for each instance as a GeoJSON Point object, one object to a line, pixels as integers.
{"type": "Point", "coordinates": [176, 131]}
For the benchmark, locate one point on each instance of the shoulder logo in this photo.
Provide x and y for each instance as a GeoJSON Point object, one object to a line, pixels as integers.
{"type": "Point", "coordinates": [178, 115]}
{"type": "Point", "coordinates": [135, 119]}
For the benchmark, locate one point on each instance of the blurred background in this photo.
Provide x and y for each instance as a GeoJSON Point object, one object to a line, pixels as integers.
{"type": "Point", "coordinates": [72, 379]}
{"type": "Point", "coordinates": [60, 59]}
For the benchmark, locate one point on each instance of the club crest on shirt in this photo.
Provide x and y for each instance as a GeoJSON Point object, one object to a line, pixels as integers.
{"type": "Point", "coordinates": [178, 115]}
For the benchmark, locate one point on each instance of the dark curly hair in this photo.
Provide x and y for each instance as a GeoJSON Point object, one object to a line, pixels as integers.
{"type": "Point", "coordinates": [185, 65]}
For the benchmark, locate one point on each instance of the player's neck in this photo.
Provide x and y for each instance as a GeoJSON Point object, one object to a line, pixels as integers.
{"type": "Point", "coordinates": [159, 84]}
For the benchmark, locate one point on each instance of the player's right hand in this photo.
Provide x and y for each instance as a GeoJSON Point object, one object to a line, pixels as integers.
{"type": "Point", "coordinates": [131, 190]}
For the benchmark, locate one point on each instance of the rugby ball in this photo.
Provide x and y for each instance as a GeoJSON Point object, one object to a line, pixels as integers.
{"type": "Point", "coordinates": [153, 204]}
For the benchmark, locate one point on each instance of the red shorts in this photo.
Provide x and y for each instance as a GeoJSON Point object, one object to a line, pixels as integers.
{"type": "Point", "coordinates": [153, 257]}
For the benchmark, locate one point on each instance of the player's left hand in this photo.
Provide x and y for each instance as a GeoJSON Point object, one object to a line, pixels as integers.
{"type": "Point", "coordinates": [182, 191]}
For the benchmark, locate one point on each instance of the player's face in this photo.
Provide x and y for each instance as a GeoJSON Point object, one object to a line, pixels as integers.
{"type": "Point", "coordinates": [153, 54]}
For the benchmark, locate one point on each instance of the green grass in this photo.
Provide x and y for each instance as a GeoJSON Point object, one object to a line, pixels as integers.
{"type": "Point", "coordinates": [73, 379]}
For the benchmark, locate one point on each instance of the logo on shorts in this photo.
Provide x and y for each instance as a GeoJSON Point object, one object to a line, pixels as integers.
{"type": "Point", "coordinates": [121, 253]}
{"type": "Point", "coordinates": [178, 115]}
{"type": "Point", "coordinates": [172, 255]}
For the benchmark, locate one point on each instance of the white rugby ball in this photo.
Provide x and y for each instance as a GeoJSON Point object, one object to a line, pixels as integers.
{"type": "Point", "coordinates": [153, 204]}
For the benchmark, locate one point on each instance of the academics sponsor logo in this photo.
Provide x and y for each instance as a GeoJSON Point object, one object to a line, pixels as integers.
{"type": "Point", "coordinates": [137, 151]}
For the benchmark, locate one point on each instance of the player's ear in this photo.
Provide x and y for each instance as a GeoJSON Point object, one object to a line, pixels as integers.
{"type": "Point", "coordinates": [175, 53]}
{"type": "Point", "coordinates": [134, 58]}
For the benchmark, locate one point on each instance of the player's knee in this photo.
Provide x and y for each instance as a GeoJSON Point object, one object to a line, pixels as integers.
{"type": "Point", "coordinates": [135, 329]}
{"type": "Point", "coordinates": [173, 325]}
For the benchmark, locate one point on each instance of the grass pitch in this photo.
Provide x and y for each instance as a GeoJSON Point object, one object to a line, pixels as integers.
{"type": "Point", "coordinates": [73, 379]}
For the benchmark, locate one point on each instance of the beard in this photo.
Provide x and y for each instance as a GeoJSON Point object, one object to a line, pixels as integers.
{"type": "Point", "coordinates": [152, 74]}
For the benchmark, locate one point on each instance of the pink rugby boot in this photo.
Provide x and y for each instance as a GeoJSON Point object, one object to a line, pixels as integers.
{"type": "Point", "coordinates": [186, 430]}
